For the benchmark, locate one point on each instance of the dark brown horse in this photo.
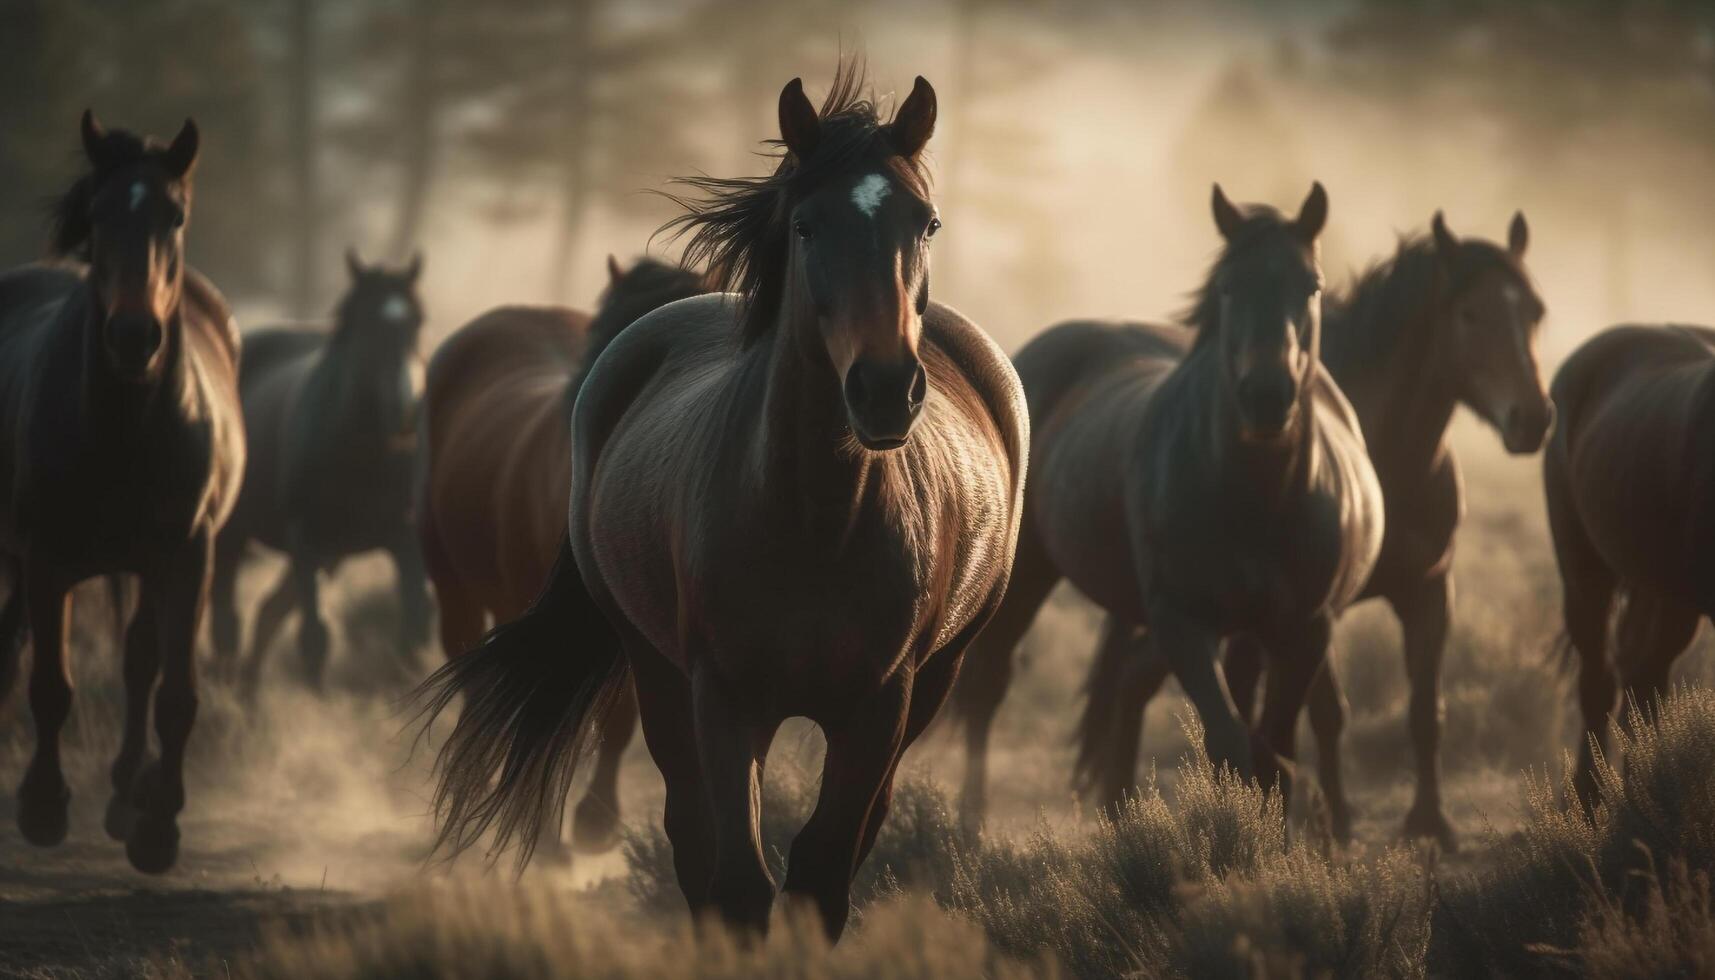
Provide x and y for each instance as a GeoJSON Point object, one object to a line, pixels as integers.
{"type": "Point", "coordinates": [1201, 482]}
{"type": "Point", "coordinates": [801, 500]}
{"type": "Point", "coordinates": [497, 470]}
{"type": "Point", "coordinates": [121, 450]}
{"type": "Point", "coordinates": [332, 418]}
{"type": "Point", "coordinates": [1630, 479]}
{"type": "Point", "coordinates": [1445, 322]}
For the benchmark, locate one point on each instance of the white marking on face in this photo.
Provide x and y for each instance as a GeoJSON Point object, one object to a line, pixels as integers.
{"type": "Point", "coordinates": [139, 191]}
{"type": "Point", "coordinates": [869, 193]}
{"type": "Point", "coordinates": [397, 309]}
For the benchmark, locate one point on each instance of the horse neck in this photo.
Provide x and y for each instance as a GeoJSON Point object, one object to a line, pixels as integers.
{"type": "Point", "coordinates": [359, 378]}
{"type": "Point", "coordinates": [1404, 392]}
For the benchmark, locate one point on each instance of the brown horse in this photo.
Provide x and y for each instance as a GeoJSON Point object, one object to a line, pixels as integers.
{"type": "Point", "coordinates": [121, 450]}
{"type": "Point", "coordinates": [1445, 322]}
{"type": "Point", "coordinates": [1203, 483]}
{"type": "Point", "coordinates": [497, 470]}
{"type": "Point", "coordinates": [1630, 480]}
{"type": "Point", "coordinates": [332, 418]}
{"type": "Point", "coordinates": [801, 500]}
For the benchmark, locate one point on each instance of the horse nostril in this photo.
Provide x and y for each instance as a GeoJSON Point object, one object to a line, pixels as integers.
{"type": "Point", "coordinates": [857, 392]}
{"type": "Point", "coordinates": [919, 386]}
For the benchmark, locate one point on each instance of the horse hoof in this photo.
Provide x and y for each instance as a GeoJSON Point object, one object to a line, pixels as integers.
{"type": "Point", "coordinates": [42, 811]}
{"type": "Point", "coordinates": [153, 846]}
{"type": "Point", "coordinates": [595, 827]}
{"type": "Point", "coordinates": [1430, 822]}
{"type": "Point", "coordinates": [122, 815]}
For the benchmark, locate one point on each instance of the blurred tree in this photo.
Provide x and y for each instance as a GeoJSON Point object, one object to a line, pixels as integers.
{"type": "Point", "coordinates": [303, 145]}
{"type": "Point", "coordinates": [1607, 102]}
{"type": "Point", "coordinates": [143, 67]}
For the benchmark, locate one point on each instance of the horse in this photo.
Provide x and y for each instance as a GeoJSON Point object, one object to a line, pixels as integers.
{"type": "Point", "coordinates": [1446, 321]}
{"type": "Point", "coordinates": [332, 417]}
{"type": "Point", "coordinates": [496, 474]}
{"type": "Point", "coordinates": [1201, 482]}
{"type": "Point", "coordinates": [799, 500]}
{"type": "Point", "coordinates": [121, 451]}
{"type": "Point", "coordinates": [1629, 476]}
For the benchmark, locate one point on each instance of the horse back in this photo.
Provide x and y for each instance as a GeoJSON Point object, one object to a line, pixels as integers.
{"type": "Point", "coordinates": [1634, 450]}
{"type": "Point", "coordinates": [497, 470]}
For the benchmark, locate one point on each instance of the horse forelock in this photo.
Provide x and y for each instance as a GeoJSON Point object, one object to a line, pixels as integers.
{"type": "Point", "coordinates": [68, 215]}
{"type": "Point", "coordinates": [738, 225]}
{"type": "Point", "coordinates": [1263, 225]}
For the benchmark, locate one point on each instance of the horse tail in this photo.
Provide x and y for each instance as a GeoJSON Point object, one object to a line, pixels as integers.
{"type": "Point", "coordinates": [1104, 692]}
{"type": "Point", "coordinates": [531, 692]}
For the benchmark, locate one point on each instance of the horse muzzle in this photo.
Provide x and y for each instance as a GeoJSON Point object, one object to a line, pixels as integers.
{"type": "Point", "coordinates": [883, 401]}
{"type": "Point", "coordinates": [1268, 402]}
{"type": "Point", "coordinates": [1524, 427]}
{"type": "Point", "coordinates": [132, 341]}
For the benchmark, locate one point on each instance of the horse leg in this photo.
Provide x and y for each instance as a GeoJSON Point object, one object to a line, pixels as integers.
{"type": "Point", "coordinates": [1124, 677]}
{"type": "Point", "coordinates": [595, 823]}
{"type": "Point", "coordinates": [12, 638]}
{"type": "Point", "coordinates": [1328, 722]}
{"type": "Point", "coordinates": [413, 584]}
{"type": "Point", "coordinates": [1294, 661]}
{"type": "Point", "coordinates": [1424, 612]}
{"type": "Point", "coordinates": [988, 670]}
{"type": "Point", "coordinates": [224, 625]}
{"type": "Point", "coordinates": [270, 616]}
{"type": "Point", "coordinates": [1189, 649]}
{"type": "Point", "coordinates": [732, 744]}
{"type": "Point", "coordinates": [312, 627]}
{"type": "Point", "coordinates": [43, 797]}
{"type": "Point", "coordinates": [1587, 587]}
{"type": "Point", "coordinates": [181, 585]}
{"type": "Point", "coordinates": [142, 667]}
{"type": "Point", "coordinates": [863, 751]}
{"type": "Point", "coordinates": [1654, 631]}
{"type": "Point", "coordinates": [664, 704]}
{"type": "Point", "coordinates": [1242, 666]}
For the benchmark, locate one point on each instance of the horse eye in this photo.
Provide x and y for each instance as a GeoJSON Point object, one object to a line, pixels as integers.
{"type": "Point", "coordinates": [802, 230]}
{"type": "Point", "coordinates": [934, 226]}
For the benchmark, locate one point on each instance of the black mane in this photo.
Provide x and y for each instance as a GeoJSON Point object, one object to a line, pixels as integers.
{"type": "Point", "coordinates": [1204, 314]}
{"type": "Point", "coordinates": [645, 287]}
{"type": "Point", "coordinates": [738, 224]}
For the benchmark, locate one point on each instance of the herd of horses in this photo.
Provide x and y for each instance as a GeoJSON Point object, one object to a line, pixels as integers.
{"type": "Point", "coordinates": [794, 485]}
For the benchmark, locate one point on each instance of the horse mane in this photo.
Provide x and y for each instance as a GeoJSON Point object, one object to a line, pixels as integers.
{"type": "Point", "coordinates": [1387, 298]}
{"type": "Point", "coordinates": [738, 225]}
{"type": "Point", "coordinates": [1393, 296]}
{"type": "Point", "coordinates": [1205, 306]}
{"type": "Point", "coordinates": [647, 286]}
{"type": "Point", "coordinates": [68, 215]}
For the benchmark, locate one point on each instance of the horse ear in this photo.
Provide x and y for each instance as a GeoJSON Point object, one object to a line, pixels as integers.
{"type": "Point", "coordinates": [914, 123]}
{"type": "Point", "coordinates": [1227, 216]}
{"type": "Point", "coordinates": [614, 272]}
{"type": "Point", "coordinates": [1518, 235]}
{"type": "Point", "coordinates": [1312, 214]}
{"type": "Point", "coordinates": [1445, 244]}
{"type": "Point", "coordinates": [181, 156]}
{"type": "Point", "coordinates": [94, 136]}
{"type": "Point", "coordinates": [414, 268]}
{"type": "Point", "coordinates": [800, 130]}
{"type": "Point", "coordinates": [353, 262]}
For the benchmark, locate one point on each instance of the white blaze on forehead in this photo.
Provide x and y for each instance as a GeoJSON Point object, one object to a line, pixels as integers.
{"type": "Point", "coordinates": [870, 192]}
{"type": "Point", "coordinates": [397, 308]}
{"type": "Point", "coordinates": [139, 191]}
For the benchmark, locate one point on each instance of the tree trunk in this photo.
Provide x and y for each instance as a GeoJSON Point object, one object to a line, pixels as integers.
{"type": "Point", "coordinates": [420, 105]}
{"type": "Point", "coordinates": [301, 126]}
{"type": "Point", "coordinates": [574, 154]}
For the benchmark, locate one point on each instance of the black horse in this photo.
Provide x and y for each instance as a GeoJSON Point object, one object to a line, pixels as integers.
{"type": "Point", "coordinates": [332, 418]}
{"type": "Point", "coordinates": [121, 450]}
{"type": "Point", "coordinates": [1198, 483]}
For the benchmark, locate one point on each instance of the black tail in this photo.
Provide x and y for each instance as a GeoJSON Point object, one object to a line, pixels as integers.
{"type": "Point", "coordinates": [1104, 692]}
{"type": "Point", "coordinates": [531, 691]}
